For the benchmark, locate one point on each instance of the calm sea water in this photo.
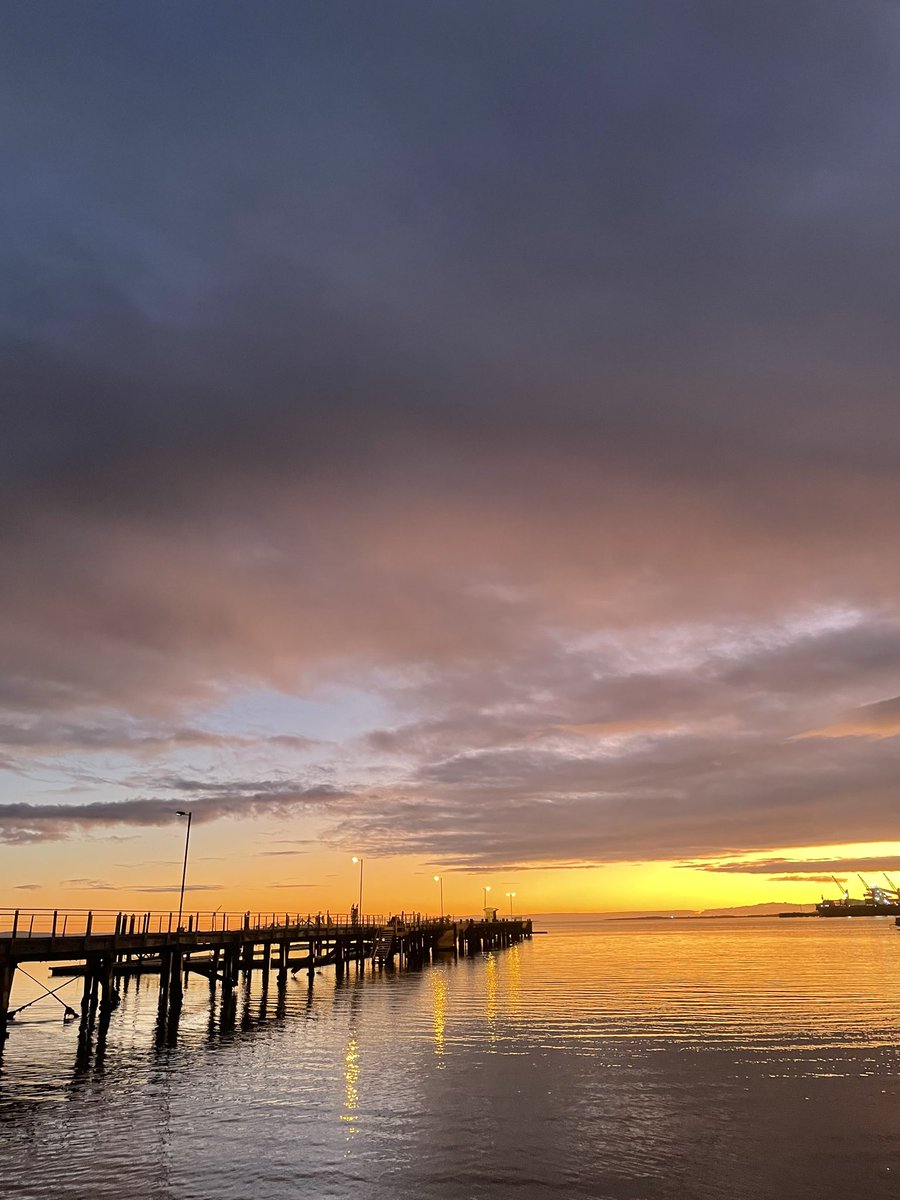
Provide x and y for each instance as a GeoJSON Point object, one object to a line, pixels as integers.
{"type": "Point", "coordinates": [630, 1060]}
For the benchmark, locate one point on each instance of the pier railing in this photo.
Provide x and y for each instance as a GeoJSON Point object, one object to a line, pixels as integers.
{"type": "Point", "coordinates": [83, 922]}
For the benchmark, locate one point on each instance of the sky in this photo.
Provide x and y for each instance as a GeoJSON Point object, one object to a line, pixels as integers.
{"type": "Point", "coordinates": [461, 435]}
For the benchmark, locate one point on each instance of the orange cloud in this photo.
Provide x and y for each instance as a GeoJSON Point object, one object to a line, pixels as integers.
{"type": "Point", "coordinates": [876, 721]}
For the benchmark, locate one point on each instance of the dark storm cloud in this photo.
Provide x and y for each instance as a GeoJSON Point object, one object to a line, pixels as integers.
{"type": "Point", "coordinates": [696, 758]}
{"type": "Point", "coordinates": [48, 736]}
{"type": "Point", "coordinates": [435, 223]}
{"type": "Point", "coordinates": [190, 887]}
{"type": "Point", "coordinates": [100, 885]}
{"type": "Point", "coordinates": [21, 823]}
{"type": "Point", "coordinates": [833, 865]}
{"type": "Point", "coordinates": [802, 879]}
{"type": "Point", "coordinates": [530, 363]}
{"type": "Point", "coordinates": [610, 164]}
{"type": "Point", "coordinates": [765, 678]}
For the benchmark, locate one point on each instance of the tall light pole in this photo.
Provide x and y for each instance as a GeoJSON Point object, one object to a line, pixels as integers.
{"type": "Point", "coordinates": [359, 906]}
{"type": "Point", "coordinates": [484, 892]}
{"type": "Point", "coordinates": [511, 898]}
{"type": "Point", "coordinates": [440, 879]}
{"type": "Point", "coordinates": [187, 841]}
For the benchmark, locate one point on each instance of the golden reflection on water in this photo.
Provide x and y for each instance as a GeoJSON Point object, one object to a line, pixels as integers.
{"type": "Point", "coordinates": [490, 998]}
{"type": "Point", "coordinates": [514, 977]}
{"type": "Point", "coordinates": [776, 988]}
{"type": "Point", "coordinates": [351, 1089]}
{"type": "Point", "coordinates": [439, 1011]}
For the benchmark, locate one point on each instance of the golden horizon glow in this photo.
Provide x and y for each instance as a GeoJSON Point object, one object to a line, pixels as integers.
{"type": "Point", "coordinates": [144, 874]}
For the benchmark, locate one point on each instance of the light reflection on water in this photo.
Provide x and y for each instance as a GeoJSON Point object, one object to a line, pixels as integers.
{"type": "Point", "coordinates": [625, 1059]}
{"type": "Point", "coordinates": [491, 998]}
{"type": "Point", "coordinates": [351, 1077]}
{"type": "Point", "coordinates": [438, 983]}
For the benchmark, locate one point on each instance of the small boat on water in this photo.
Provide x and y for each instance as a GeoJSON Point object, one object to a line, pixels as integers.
{"type": "Point", "coordinates": [877, 902]}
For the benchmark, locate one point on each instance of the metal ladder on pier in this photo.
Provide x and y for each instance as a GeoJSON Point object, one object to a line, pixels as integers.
{"type": "Point", "coordinates": [384, 940]}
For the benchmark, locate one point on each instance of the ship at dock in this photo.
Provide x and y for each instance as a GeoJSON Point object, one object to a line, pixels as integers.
{"type": "Point", "coordinates": [877, 901]}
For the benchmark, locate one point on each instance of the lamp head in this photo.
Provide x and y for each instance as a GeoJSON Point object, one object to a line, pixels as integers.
{"type": "Point", "coordinates": [437, 879]}
{"type": "Point", "coordinates": [179, 812]}
{"type": "Point", "coordinates": [354, 859]}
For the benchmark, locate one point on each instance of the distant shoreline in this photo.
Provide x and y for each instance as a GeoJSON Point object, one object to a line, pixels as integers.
{"type": "Point", "coordinates": [608, 917]}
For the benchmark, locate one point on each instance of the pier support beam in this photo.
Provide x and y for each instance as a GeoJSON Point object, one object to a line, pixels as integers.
{"type": "Point", "coordinates": [7, 972]}
{"type": "Point", "coordinates": [89, 997]}
{"type": "Point", "coordinates": [247, 956]}
{"type": "Point", "coordinates": [176, 988]}
{"type": "Point", "coordinates": [106, 978]}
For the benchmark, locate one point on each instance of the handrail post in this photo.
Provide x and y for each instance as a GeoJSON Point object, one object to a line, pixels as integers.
{"type": "Point", "coordinates": [15, 924]}
{"type": "Point", "coordinates": [53, 930]}
{"type": "Point", "coordinates": [88, 923]}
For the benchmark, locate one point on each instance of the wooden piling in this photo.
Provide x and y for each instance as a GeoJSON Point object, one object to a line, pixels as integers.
{"type": "Point", "coordinates": [87, 991]}
{"type": "Point", "coordinates": [109, 996]}
{"type": "Point", "coordinates": [247, 952]}
{"type": "Point", "coordinates": [176, 989]}
{"type": "Point", "coordinates": [7, 973]}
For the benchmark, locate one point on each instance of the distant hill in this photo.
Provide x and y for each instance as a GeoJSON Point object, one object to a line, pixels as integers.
{"type": "Point", "coordinates": [757, 910]}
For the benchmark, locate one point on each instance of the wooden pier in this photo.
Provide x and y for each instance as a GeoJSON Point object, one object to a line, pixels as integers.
{"type": "Point", "coordinates": [223, 947]}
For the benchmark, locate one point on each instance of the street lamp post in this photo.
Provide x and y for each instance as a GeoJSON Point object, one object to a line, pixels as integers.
{"type": "Point", "coordinates": [359, 906]}
{"type": "Point", "coordinates": [484, 892]}
{"type": "Point", "coordinates": [187, 841]}
{"type": "Point", "coordinates": [440, 879]}
{"type": "Point", "coordinates": [511, 896]}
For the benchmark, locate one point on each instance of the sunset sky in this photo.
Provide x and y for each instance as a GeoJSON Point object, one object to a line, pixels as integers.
{"type": "Point", "coordinates": [461, 434]}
